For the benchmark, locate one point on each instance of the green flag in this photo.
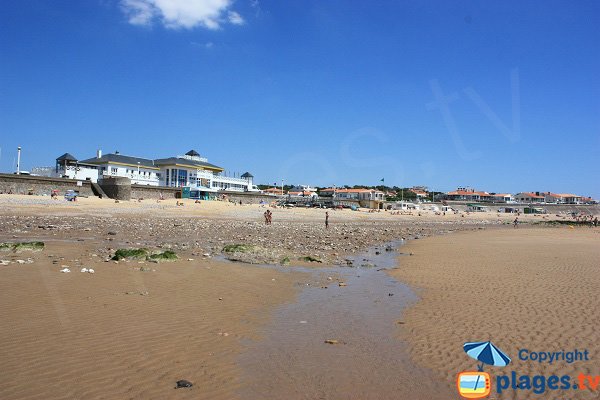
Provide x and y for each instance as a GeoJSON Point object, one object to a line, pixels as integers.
{"type": "Point", "coordinates": [382, 179]}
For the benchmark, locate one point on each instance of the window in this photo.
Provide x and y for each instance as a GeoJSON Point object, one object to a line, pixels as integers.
{"type": "Point", "coordinates": [182, 177]}
{"type": "Point", "coordinates": [173, 177]}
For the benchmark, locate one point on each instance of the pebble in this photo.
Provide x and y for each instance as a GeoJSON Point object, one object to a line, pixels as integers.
{"type": "Point", "coordinates": [278, 241]}
{"type": "Point", "coordinates": [183, 384]}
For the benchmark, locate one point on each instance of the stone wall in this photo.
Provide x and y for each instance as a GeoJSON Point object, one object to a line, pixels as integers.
{"type": "Point", "coordinates": [116, 187]}
{"type": "Point", "coordinates": [550, 208]}
{"type": "Point", "coordinates": [153, 192]}
{"type": "Point", "coordinates": [248, 197]}
{"type": "Point", "coordinates": [40, 185]}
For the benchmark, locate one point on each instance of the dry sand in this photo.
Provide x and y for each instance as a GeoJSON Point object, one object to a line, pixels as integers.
{"type": "Point", "coordinates": [535, 289]}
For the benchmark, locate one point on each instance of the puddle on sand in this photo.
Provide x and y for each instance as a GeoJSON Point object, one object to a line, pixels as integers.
{"type": "Point", "coordinates": [292, 361]}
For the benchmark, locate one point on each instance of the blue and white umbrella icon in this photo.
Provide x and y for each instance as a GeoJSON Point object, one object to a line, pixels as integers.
{"type": "Point", "coordinates": [487, 353]}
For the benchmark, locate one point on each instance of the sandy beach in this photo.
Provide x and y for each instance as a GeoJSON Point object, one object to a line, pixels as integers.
{"type": "Point", "coordinates": [533, 289]}
{"type": "Point", "coordinates": [242, 331]}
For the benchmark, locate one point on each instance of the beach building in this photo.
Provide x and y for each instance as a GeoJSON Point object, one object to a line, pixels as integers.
{"type": "Point", "coordinates": [327, 192]}
{"type": "Point", "coordinates": [371, 198]}
{"type": "Point", "coordinates": [567, 198]}
{"type": "Point", "coordinates": [468, 194]}
{"type": "Point", "coordinates": [304, 194]}
{"type": "Point", "coordinates": [274, 191]}
{"type": "Point", "coordinates": [529, 197]}
{"type": "Point", "coordinates": [304, 191]}
{"type": "Point", "coordinates": [420, 191]}
{"type": "Point", "coordinates": [303, 188]}
{"type": "Point", "coordinates": [477, 208]}
{"type": "Point", "coordinates": [502, 197]}
{"type": "Point", "coordinates": [551, 198]}
{"type": "Point", "coordinates": [67, 166]}
{"type": "Point", "coordinates": [188, 170]}
{"type": "Point", "coordinates": [353, 194]}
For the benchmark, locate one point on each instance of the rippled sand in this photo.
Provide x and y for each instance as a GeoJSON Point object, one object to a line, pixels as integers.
{"type": "Point", "coordinates": [535, 289]}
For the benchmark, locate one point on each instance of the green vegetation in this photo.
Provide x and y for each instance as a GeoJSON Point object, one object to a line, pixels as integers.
{"type": "Point", "coordinates": [144, 254]}
{"type": "Point", "coordinates": [168, 255]}
{"type": "Point", "coordinates": [22, 246]}
{"type": "Point", "coordinates": [310, 259]}
{"type": "Point", "coordinates": [239, 248]}
{"type": "Point", "coordinates": [285, 261]}
{"type": "Point", "coordinates": [130, 254]}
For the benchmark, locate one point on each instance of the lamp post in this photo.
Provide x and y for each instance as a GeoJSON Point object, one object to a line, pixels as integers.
{"type": "Point", "coordinates": [282, 187]}
{"type": "Point", "coordinates": [19, 160]}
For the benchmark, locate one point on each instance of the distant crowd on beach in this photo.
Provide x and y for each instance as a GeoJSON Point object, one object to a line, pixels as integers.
{"type": "Point", "coordinates": [582, 218]}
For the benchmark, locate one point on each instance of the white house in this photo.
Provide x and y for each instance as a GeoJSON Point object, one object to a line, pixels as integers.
{"type": "Point", "coordinates": [68, 167]}
{"type": "Point", "coordinates": [529, 197]}
{"type": "Point", "coordinates": [502, 197]}
{"type": "Point", "coordinates": [186, 170]}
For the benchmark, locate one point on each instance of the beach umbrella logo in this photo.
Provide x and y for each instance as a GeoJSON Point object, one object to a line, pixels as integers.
{"type": "Point", "coordinates": [477, 384]}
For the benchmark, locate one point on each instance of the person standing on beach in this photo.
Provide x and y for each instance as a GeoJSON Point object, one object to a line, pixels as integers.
{"type": "Point", "coordinates": [326, 219]}
{"type": "Point", "coordinates": [516, 222]}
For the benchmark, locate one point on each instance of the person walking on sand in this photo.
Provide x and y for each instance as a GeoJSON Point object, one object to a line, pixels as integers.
{"type": "Point", "coordinates": [516, 222]}
{"type": "Point", "coordinates": [326, 219]}
{"type": "Point", "coordinates": [266, 215]}
{"type": "Point", "coordinates": [269, 217]}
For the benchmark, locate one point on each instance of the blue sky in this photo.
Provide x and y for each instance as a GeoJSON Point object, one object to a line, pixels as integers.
{"type": "Point", "coordinates": [500, 96]}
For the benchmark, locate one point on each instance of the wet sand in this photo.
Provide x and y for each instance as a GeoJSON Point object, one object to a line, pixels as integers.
{"type": "Point", "coordinates": [535, 289]}
{"type": "Point", "coordinates": [122, 333]}
{"type": "Point", "coordinates": [366, 362]}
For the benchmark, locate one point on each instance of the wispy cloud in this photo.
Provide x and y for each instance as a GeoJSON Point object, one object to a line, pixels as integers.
{"type": "Point", "coordinates": [235, 18]}
{"type": "Point", "coordinates": [207, 45]}
{"type": "Point", "coordinates": [177, 14]}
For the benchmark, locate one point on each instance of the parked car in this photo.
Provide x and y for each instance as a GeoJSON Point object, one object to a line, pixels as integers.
{"type": "Point", "coordinates": [71, 195]}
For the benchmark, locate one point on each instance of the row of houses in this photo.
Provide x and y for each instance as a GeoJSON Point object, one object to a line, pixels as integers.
{"type": "Point", "coordinates": [188, 170]}
{"type": "Point", "coordinates": [422, 194]}
{"type": "Point", "coordinates": [469, 194]}
{"type": "Point", "coordinates": [334, 193]}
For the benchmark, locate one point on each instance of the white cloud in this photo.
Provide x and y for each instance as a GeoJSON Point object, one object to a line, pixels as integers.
{"type": "Point", "coordinates": [207, 45]}
{"type": "Point", "coordinates": [235, 18]}
{"type": "Point", "coordinates": [139, 11]}
{"type": "Point", "coordinates": [177, 14]}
